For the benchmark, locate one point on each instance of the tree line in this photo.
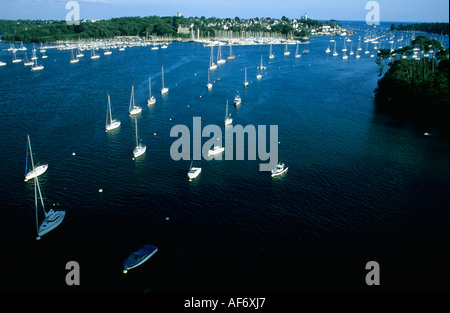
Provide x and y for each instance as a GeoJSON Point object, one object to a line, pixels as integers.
{"type": "Point", "coordinates": [415, 87]}
{"type": "Point", "coordinates": [432, 28]}
{"type": "Point", "coordinates": [51, 31]}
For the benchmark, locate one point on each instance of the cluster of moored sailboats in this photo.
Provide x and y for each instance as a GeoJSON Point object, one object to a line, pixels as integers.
{"type": "Point", "coordinates": [54, 217]}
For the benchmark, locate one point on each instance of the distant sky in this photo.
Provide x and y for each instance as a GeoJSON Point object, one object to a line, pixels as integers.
{"type": "Point", "coordinates": [390, 10]}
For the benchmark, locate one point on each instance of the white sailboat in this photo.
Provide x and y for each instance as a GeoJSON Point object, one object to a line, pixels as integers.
{"type": "Point", "coordinates": [271, 55]}
{"type": "Point", "coordinates": [334, 51]}
{"type": "Point", "coordinates": [133, 109]}
{"type": "Point", "coordinates": [193, 172]}
{"type": "Point", "coordinates": [297, 55]}
{"type": "Point", "coordinates": [2, 63]}
{"type": "Point", "coordinates": [328, 50]}
{"type": "Point", "coordinates": [209, 85]}
{"type": "Point", "coordinates": [220, 60]}
{"type": "Point", "coordinates": [237, 99]}
{"type": "Point", "coordinates": [212, 65]}
{"type": "Point", "coordinates": [261, 67]}
{"type": "Point", "coordinates": [15, 59]}
{"type": "Point", "coordinates": [228, 119]}
{"type": "Point", "coordinates": [52, 218]}
{"type": "Point", "coordinates": [113, 123]}
{"type": "Point", "coordinates": [151, 99]}
{"type": "Point", "coordinates": [73, 59]}
{"type": "Point", "coordinates": [36, 171]}
{"type": "Point", "coordinates": [163, 89]}
{"type": "Point", "coordinates": [93, 55]}
{"type": "Point", "coordinates": [37, 67]}
{"type": "Point", "coordinates": [286, 51]}
{"type": "Point", "coordinates": [245, 79]}
{"type": "Point", "coordinates": [140, 147]}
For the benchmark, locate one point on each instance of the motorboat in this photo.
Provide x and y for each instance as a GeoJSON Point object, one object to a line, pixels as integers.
{"type": "Point", "coordinates": [279, 169]}
{"type": "Point", "coordinates": [138, 257]}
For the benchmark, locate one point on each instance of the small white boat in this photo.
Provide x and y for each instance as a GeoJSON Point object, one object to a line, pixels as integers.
{"type": "Point", "coordinates": [2, 63]}
{"type": "Point", "coordinates": [133, 109]}
{"type": "Point", "coordinates": [113, 123]}
{"type": "Point", "coordinates": [193, 172]}
{"type": "Point", "coordinates": [140, 147]}
{"type": "Point", "coordinates": [39, 170]}
{"type": "Point", "coordinates": [228, 119]}
{"type": "Point", "coordinates": [138, 257]}
{"type": "Point", "coordinates": [245, 79]}
{"type": "Point", "coordinates": [73, 59]}
{"type": "Point", "coordinates": [212, 65]}
{"type": "Point", "coordinates": [279, 169]}
{"type": "Point", "coordinates": [93, 55]}
{"type": "Point", "coordinates": [216, 150]}
{"type": "Point", "coordinates": [164, 90]}
{"type": "Point", "coordinates": [286, 51]}
{"type": "Point", "coordinates": [261, 67]}
{"type": "Point", "coordinates": [37, 67]}
{"type": "Point", "coordinates": [209, 84]}
{"type": "Point", "coordinates": [151, 99]}
{"type": "Point", "coordinates": [220, 60]}
{"type": "Point", "coordinates": [427, 134]}
{"type": "Point", "coordinates": [237, 99]}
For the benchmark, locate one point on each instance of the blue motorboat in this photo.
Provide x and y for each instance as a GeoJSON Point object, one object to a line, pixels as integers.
{"type": "Point", "coordinates": [139, 257]}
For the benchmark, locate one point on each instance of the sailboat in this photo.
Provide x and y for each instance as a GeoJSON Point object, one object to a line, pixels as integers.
{"type": "Point", "coordinates": [261, 67]}
{"type": "Point", "coordinates": [286, 51]}
{"type": "Point", "coordinates": [212, 65]}
{"type": "Point", "coordinates": [245, 80]}
{"type": "Point", "coordinates": [328, 50]}
{"type": "Point", "coordinates": [52, 218]}
{"type": "Point", "coordinates": [209, 85]}
{"type": "Point", "coordinates": [79, 53]}
{"type": "Point", "coordinates": [193, 172]}
{"type": "Point", "coordinates": [151, 99]}
{"type": "Point", "coordinates": [271, 56]}
{"type": "Point", "coordinates": [37, 67]}
{"type": "Point", "coordinates": [73, 59]}
{"type": "Point", "coordinates": [140, 147]}
{"type": "Point", "coordinates": [2, 63]}
{"type": "Point", "coordinates": [334, 51]}
{"type": "Point", "coordinates": [237, 99]}
{"type": "Point", "coordinates": [231, 56]}
{"type": "Point", "coordinates": [39, 170]}
{"type": "Point", "coordinates": [27, 62]}
{"type": "Point", "coordinates": [112, 123]}
{"type": "Point", "coordinates": [220, 60]}
{"type": "Point", "coordinates": [93, 55]}
{"type": "Point", "coordinates": [297, 55]}
{"type": "Point", "coordinates": [133, 109]}
{"type": "Point", "coordinates": [163, 89]}
{"type": "Point", "coordinates": [15, 59]}
{"type": "Point", "coordinates": [228, 119]}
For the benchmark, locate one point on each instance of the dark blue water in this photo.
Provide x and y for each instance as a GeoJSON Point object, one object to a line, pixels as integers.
{"type": "Point", "coordinates": [361, 185]}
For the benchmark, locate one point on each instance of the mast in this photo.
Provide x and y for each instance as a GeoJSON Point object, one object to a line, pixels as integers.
{"type": "Point", "coordinates": [226, 111]}
{"type": "Point", "coordinates": [149, 88]}
{"type": "Point", "coordinates": [135, 123]}
{"type": "Point", "coordinates": [109, 107]}
{"type": "Point", "coordinates": [162, 70]}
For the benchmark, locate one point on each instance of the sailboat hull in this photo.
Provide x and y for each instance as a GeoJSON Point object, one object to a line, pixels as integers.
{"type": "Point", "coordinates": [114, 124]}
{"type": "Point", "coordinates": [135, 111]}
{"type": "Point", "coordinates": [37, 171]}
{"type": "Point", "coordinates": [139, 150]}
{"type": "Point", "coordinates": [52, 220]}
